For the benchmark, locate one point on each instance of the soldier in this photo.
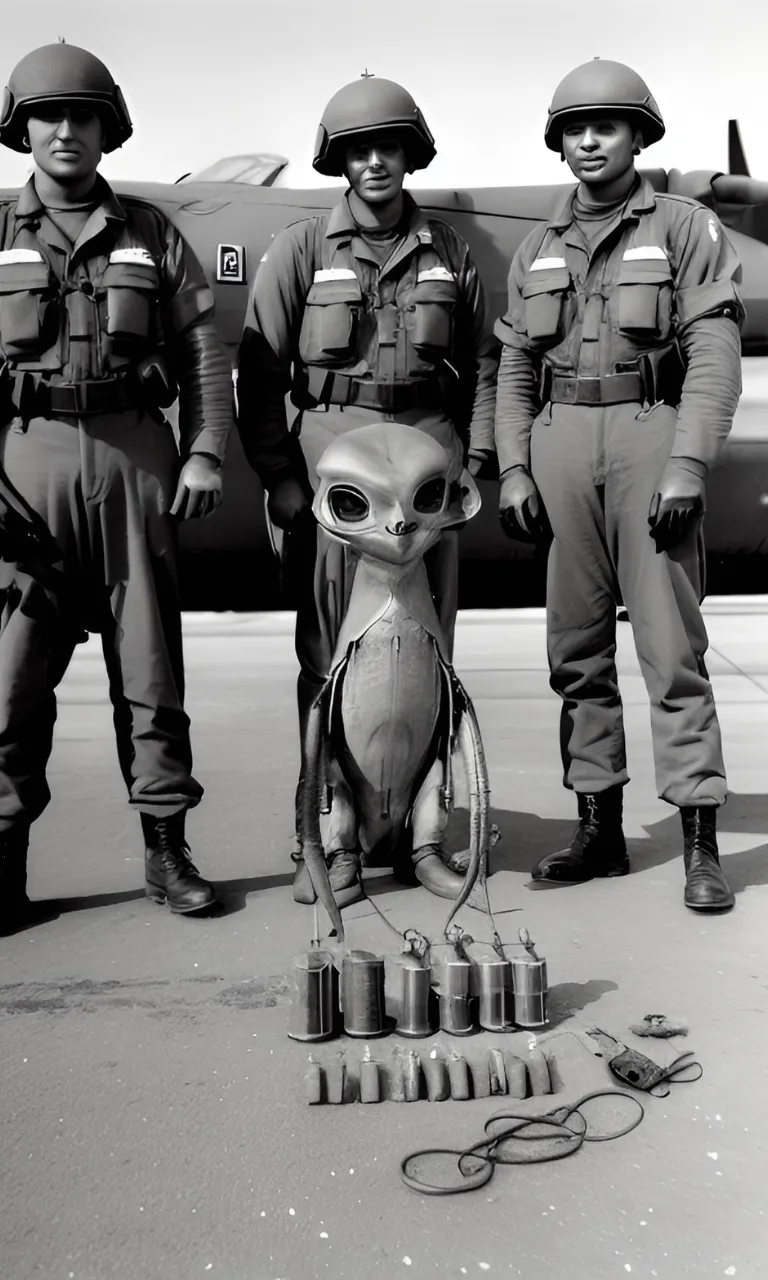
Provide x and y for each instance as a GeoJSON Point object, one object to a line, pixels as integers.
{"type": "Point", "coordinates": [619, 378]}
{"type": "Point", "coordinates": [374, 311]}
{"type": "Point", "coordinates": [104, 312]}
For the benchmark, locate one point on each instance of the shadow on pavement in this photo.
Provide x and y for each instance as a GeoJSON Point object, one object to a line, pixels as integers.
{"type": "Point", "coordinates": [742, 813]}
{"type": "Point", "coordinates": [231, 893]}
{"type": "Point", "coordinates": [567, 998]}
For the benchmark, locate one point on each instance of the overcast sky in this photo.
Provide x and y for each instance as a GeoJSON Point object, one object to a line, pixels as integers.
{"type": "Point", "coordinates": [209, 78]}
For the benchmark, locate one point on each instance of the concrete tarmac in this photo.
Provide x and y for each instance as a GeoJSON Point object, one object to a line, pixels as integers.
{"type": "Point", "coordinates": [152, 1117]}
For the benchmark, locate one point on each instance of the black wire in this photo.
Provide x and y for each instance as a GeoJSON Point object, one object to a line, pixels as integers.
{"type": "Point", "coordinates": [491, 1152]}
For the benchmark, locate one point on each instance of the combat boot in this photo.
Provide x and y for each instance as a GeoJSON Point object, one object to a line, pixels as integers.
{"type": "Point", "coordinates": [16, 910]}
{"type": "Point", "coordinates": [598, 847]}
{"type": "Point", "coordinates": [706, 888]}
{"type": "Point", "coordinates": [171, 876]}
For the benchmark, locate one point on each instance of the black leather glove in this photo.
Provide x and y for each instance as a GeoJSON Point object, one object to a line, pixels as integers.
{"type": "Point", "coordinates": [521, 510]}
{"type": "Point", "coordinates": [287, 503]}
{"type": "Point", "coordinates": [677, 503]}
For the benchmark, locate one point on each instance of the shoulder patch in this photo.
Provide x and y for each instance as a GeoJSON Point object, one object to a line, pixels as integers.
{"type": "Point", "coordinates": [132, 253]}
{"type": "Point", "coordinates": [644, 252]}
{"type": "Point", "coordinates": [544, 264]}
{"type": "Point", "coordinates": [435, 273]}
{"type": "Point", "coordinates": [19, 255]}
{"type": "Point", "coordinates": [334, 273]}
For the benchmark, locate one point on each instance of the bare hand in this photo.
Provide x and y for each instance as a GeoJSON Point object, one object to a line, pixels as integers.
{"type": "Point", "coordinates": [200, 488]}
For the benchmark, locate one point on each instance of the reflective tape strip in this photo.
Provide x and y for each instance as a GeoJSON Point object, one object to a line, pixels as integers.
{"type": "Point", "coordinates": [132, 254]}
{"type": "Point", "coordinates": [19, 255]}
{"type": "Point", "coordinates": [334, 273]}
{"type": "Point", "coordinates": [543, 264]}
{"type": "Point", "coordinates": [642, 252]}
{"type": "Point", "coordinates": [435, 273]}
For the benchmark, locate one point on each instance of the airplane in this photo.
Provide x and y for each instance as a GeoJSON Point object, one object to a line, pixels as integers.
{"type": "Point", "coordinates": [231, 211]}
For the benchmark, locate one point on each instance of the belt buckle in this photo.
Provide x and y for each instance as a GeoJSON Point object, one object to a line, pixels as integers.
{"type": "Point", "coordinates": [79, 398]}
{"type": "Point", "coordinates": [588, 391]}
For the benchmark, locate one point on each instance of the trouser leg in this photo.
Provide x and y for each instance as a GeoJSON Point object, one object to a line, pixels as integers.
{"type": "Point", "coordinates": [34, 655]}
{"type": "Point", "coordinates": [142, 646]}
{"type": "Point", "coordinates": [662, 593]}
{"type": "Point", "coordinates": [567, 458]}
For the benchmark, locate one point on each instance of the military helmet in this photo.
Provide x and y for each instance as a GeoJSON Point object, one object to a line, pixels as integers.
{"type": "Point", "coordinates": [601, 86]}
{"type": "Point", "coordinates": [366, 106]}
{"type": "Point", "coordinates": [62, 73]}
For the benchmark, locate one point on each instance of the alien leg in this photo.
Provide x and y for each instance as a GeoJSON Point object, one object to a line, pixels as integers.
{"type": "Point", "coordinates": [429, 820]}
{"type": "Point", "coordinates": [340, 840]}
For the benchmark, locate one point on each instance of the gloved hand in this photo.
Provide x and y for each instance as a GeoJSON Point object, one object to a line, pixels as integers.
{"type": "Point", "coordinates": [200, 487]}
{"type": "Point", "coordinates": [521, 510]}
{"type": "Point", "coordinates": [287, 502]}
{"type": "Point", "coordinates": [678, 502]}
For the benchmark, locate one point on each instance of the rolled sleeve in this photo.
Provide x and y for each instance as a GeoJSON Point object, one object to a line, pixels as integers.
{"type": "Point", "coordinates": [510, 328]}
{"type": "Point", "coordinates": [268, 348]}
{"type": "Point", "coordinates": [709, 313]}
{"type": "Point", "coordinates": [475, 338]}
{"type": "Point", "coordinates": [185, 297]}
{"type": "Point", "coordinates": [708, 272]}
{"type": "Point", "coordinates": [517, 397]}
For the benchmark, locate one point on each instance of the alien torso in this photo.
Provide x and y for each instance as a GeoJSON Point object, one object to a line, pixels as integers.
{"type": "Point", "coordinates": [388, 490]}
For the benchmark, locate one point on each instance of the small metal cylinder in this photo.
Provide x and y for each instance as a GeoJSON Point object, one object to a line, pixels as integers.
{"type": "Point", "coordinates": [492, 978]}
{"type": "Point", "coordinates": [362, 995]}
{"type": "Point", "coordinates": [436, 1076]}
{"type": "Point", "coordinates": [369, 1081]}
{"type": "Point", "coordinates": [315, 996]}
{"type": "Point", "coordinates": [458, 1074]}
{"type": "Point", "coordinates": [413, 1018]}
{"type": "Point", "coordinates": [454, 995]}
{"type": "Point", "coordinates": [529, 985]}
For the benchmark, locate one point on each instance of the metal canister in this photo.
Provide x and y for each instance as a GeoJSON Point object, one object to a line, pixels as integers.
{"type": "Point", "coordinates": [362, 995]}
{"type": "Point", "coordinates": [315, 996]}
{"type": "Point", "coordinates": [529, 987]}
{"type": "Point", "coordinates": [454, 995]}
{"type": "Point", "coordinates": [415, 986]}
{"type": "Point", "coordinates": [493, 984]}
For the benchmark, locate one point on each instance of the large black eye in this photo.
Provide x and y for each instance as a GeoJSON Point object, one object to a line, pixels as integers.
{"type": "Point", "coordinates": [429, 497]}
{"type": "Point", "coordinates": [349, 505]}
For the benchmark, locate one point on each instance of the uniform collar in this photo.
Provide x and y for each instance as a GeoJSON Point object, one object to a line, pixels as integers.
{"type": "Point", "coordinates": [29, 204]}
{"type": "Point", "coordinates": [342, 223]}
{"type": "Point", "coordinates": [643, 201]}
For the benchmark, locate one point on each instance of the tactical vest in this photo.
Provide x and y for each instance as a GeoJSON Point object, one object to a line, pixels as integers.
{"type": "Point", "coordinates": [371, 327]}
{"type": "Point", "coordinates": [109, 301]}
{"type": "Point", "coordinates": [622, 311]}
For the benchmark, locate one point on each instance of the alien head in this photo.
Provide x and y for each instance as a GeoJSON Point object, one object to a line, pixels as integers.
{"type": "Point", "coordinates": [388, 490]}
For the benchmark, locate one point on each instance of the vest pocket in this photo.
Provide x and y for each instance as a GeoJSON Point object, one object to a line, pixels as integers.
{"type": "Point", "coordinates": [130, 292]}
{"type": "Point", "coordinates": [432, 304]}
{"type": "Point", "coordinates": [645, 297]}
{"type": "Point", "coordinates": [544, 295]}
{"type": "Point", "coordinates": [330, 324]}
{"type": "Point", "coordinates": [24, 307]}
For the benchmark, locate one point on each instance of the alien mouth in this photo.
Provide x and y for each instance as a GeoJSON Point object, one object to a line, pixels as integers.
{"type": "Point", "coordinates": [400, 531]}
